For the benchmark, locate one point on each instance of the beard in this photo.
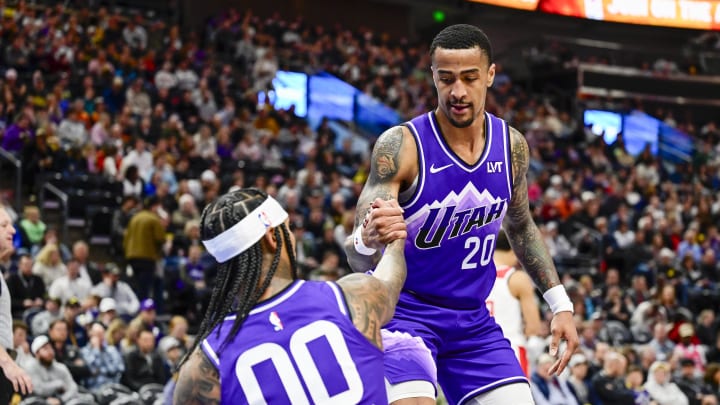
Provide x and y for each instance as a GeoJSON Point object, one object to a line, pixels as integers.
{"type": "Point", "coordinates": [46, 362]}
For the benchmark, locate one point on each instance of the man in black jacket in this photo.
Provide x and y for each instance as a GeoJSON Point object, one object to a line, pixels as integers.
{"type": "Point", "coordinates": [694, 389]}
{"type": "Point", "coordinates": [608, 386]}
{"type": "Point", "coordinates": [144, 365]}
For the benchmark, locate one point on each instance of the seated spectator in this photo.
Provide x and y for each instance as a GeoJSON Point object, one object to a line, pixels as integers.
{"type": "Point", "coordinates": [51, 237]}
{"type": "Point", "coordinates": [31, 226]}
{"type": "Point", "coordinates": [634, 382]}
{"type": "Point", "coordinates": [171, 350]}
{"type": "Point", "coordinates": [71, 284]}
{"type": "Point", "coordinates": [696, 391]}
{"type": "Point", "coordinates": [144, 365]}
{"type": "Point", "coordinates": [21, 344]}
{"type": "Point", "coordinates": [41, 321]}
{"type": "Point", "coordinates": [65, 353]}
{"type": "Point", "coordinates": [186, 212]}
{"type": "Point", "coordinates": [547, 389]}
{"type": "Point", "coordinates": [116, 332]}
{"type": "Point", "coordinates": [112, 287]}
{"type": "Point", "coordinates": [51, 380]}
{"type": "Point", "coordinates": [608, 386]}
{"type": "Point", "coordinates": [107, 311]}
{"type": "Point", "coordinates": [147, 318]}
{"type": "Point", "coordinates": [49, 264]}
{"type": "Point", "coordinates": [26, 289]}
{"type": "Point", "coordinates": [88, 269]}
{"type": "Point", "coordinates": [661, 389]}
{"type": "Point", "coordinates": [577, 380]}
{"type": "Point", "coordinates": [690, 347]}
{"type": "Point", "coordinates": [105, 362]}
{"type": "Point", "coordinates": [77, 335]}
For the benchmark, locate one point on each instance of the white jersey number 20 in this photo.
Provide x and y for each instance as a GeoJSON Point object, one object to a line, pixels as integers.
{"type": "Point", "coordinates": [486, 248]}
{"type": "Point", "coordinates": [309, 372]}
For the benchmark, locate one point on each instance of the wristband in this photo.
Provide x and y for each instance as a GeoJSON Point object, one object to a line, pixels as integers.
{"type": "Point", "coordinates": [360, 246]}
{"type": "Point", "coordinates": [558, 300]}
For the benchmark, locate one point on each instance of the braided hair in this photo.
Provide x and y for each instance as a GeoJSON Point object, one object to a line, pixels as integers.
{"type": "Point", "coordinates": [235, 286]}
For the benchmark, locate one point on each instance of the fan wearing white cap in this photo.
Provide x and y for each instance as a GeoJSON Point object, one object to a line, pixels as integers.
{"type": "Point", "coordinates": [51, 380]}
{"type": "Point", "coordinates": [263, 322]}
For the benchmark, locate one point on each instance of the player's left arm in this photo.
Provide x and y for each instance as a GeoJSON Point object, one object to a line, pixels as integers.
{"type": "Point", "coordinates": [528, 245]}
{"type": "Point", "coordinates": [198, 382]}
{"type": "Point", "coordinates": [521, 287]}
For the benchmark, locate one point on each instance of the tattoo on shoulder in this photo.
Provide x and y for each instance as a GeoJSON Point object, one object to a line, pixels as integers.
{"type": "Point", "coordinates": [198, 382]}
{"type": "Point", "coordinates": [520, 154]}
{"type": "Point", "coordinates": [368, 302]}
{"type": "Point", "coordinates": [385, 156]}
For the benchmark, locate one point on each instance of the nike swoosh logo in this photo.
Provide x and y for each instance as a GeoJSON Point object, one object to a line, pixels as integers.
{"type": "Point", "coordinates": [434, 169]}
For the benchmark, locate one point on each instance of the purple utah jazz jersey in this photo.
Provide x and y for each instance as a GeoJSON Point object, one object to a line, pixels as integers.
{"type": "Point", "coordinates": [299, 347]}
{"type": "Point", "coordinates": [454, 214]}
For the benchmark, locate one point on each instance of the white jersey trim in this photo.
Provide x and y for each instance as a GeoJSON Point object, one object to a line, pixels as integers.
{"type": "Point", "coordinates": [463, 165]}
{"type": "Point", "coordinates": [279, 300]}
{"type": "Point", "coordinates": [487, 387]}
{"type": "Point", "coordinates": [508, 165]}
{"type": "Point", "coordinates": [338, 296]}
{"type": "Point", "coordinates": [211, 353]}
{"type": "Point", "coordinates": [419, 186]}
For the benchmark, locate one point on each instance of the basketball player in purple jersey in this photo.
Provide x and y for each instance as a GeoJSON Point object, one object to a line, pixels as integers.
{"type": "Point", "coordinates": [269, 338]}
{"type": "Point", "coordinates": [456, 172]}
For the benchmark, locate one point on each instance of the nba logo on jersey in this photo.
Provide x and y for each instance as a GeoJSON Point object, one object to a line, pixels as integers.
{"type": "Point", "coordinates": [275, 321]}
{"type": "Point", "coordinates": [263, 217]}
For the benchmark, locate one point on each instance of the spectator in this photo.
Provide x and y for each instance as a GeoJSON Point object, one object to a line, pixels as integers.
{"type": "Point", "coordinates": [144, 365]}
{"type": "Point", "coordinates": [116, 333]}
{"type": "Point", "coordinates": [71, 284]}
{"type": "Point", "coordinates": [112, 287]}
{"type": "Point", "coordinates": [689, 347]}
{"type": "Point", "coordinates": [692, 386]}
{"type": "Point", "coordinates": [661, 389]}
{"type": "Point", "coordinates": [88, 270]}
{"type": "Point", "coordinates": [65, 353]}
{"type": "Point", "coordinates": [548, 389]}
{"type": "Point", "coordinates": [26, 289]}
{"type": "Point", "coordinates": [51, 380]}
{"type": "Point", "coordinates": [107, 313]}
{"type": "Point", "coordinates": [41, 322]}
{"type": "Point", "coordinates": [32, 227]}
{"type": "Point", "coordinates": [634, 382]}
{"type": "Point", "coordinates": [21, 344]}
{"type": "Point", "coordinates": [608, 385]}
{"type": "Point", "coordinates": [142, 244]}
{"type": "Point", "coordinates": [105, 362]}
{"type": "Point", "coordinates": [49, 265]}
{"type": "Point", "coordinates": [77, 335]}
{"type": "Point", "coordinates": [578, 381]}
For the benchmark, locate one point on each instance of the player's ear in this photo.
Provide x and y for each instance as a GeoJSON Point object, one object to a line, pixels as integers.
{"type": "Point", "coordinates": [269, 240]}
{"type": "Point", "coordinates": [491, 75]}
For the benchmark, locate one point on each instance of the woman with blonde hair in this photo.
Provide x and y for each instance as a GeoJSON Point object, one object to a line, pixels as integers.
{"type": "Point", "coordinates": [49, 264]}
{"type": "Point", "coordinates": [116, 332]}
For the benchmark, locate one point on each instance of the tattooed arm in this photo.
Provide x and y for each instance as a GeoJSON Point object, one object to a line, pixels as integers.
{"type": "Point", "coordinates": [198, 382]}
{"type": "Point", "coordinates": [528, 245]}
{"type": "Point", "coordinates": [372, 299]}
{"type": "Point", "coordinates": [523, 234]}
{"type": "Point", "coordinates": [393, 165]}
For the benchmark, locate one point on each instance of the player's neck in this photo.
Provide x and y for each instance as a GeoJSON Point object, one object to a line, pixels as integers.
{"type": "Point", "coordinates": [472, 136]}
{"type": "Point", "coordinates": [281, 280]}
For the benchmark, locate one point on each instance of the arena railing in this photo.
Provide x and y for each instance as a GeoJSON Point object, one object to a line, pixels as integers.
{"type": "Point", "coordinates": [62, 197]}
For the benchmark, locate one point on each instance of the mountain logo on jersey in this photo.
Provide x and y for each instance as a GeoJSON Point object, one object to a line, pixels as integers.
{"type": "Point", "coordinates": [454, 216]}
{"type": "Point", "coordinates": [275, 321]}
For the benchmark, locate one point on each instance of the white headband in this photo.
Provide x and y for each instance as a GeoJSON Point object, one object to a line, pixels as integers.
{"type": "Point", "coordinates": [247, 232]}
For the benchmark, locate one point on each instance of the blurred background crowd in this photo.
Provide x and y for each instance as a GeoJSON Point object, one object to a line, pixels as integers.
{"type": "Point", "coordinates": [122, 125]}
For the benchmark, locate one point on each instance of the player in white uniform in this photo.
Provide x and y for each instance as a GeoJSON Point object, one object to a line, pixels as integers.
{"type": "Point", "coordinates": [512, 301]}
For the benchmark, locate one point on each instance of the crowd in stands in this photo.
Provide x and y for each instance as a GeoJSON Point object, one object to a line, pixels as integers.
{"type": "Point", "coordinates": [173, 117]}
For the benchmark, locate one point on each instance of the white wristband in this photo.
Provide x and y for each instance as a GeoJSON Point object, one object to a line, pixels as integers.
{"type": "Point", "coordinates": [558, 300]}
{"type": "Point", "coordinates": [360, 246]}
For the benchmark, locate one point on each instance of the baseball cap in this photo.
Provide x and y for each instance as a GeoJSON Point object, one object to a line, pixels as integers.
{"type": "Point", "coordinates": [577, 359]}
{"type": "Point", "coordinates": [685, 361]}
{"type": "Point", "coordinates": [112, 268]}
{"type": "Point", "coordinates": [169, 343]}
{"type": "Point", "coordinates": [108, 304]}
{"type": "Point", "coordinates": [686, 330]}
{"type": "Point", "coordinates": [38, 343]}
{"type": "Point", "coordinates": [147, 305]}
{"type": "Point", "coordinates": [73, 302]}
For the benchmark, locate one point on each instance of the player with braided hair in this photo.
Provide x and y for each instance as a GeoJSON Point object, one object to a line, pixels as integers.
{"type": "Point", "coordinates": [268, 337]}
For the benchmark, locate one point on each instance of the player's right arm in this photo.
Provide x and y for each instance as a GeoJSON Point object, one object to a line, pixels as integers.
{"type": "Point", "coordinates": [521, 287]}
{"type": "Point", "coordinates": [393, 166]}
{"type": "Point", "coordinates": [372, 298]}
{"type": "Point", "coordinates": [198, 382]}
